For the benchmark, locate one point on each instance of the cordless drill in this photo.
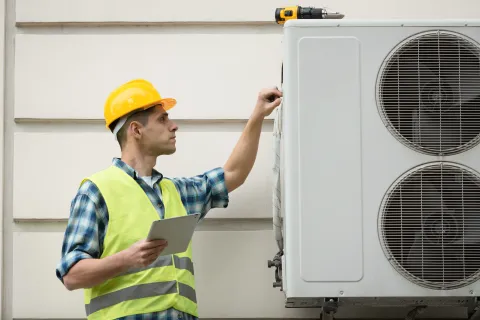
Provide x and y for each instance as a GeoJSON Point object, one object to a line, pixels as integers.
{"type": "Point", "coordinates": [298, 12]}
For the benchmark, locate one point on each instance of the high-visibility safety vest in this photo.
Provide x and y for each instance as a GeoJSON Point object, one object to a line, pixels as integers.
{"type": "Point", "coordinates": [166, 283]}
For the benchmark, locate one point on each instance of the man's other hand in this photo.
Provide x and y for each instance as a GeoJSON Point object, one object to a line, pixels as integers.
{"type": "Point", "coordinates": [143, 253]}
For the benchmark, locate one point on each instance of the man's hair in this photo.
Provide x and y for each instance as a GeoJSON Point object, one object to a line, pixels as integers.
{"type": "Point", "coordinates": [139, 116]}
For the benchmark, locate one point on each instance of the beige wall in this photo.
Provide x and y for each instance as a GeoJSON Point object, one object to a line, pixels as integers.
{"type": "Point", "coordinates": [213, 56]}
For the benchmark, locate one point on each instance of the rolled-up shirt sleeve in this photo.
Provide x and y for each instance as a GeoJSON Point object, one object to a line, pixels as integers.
{"type": "Point", "coordinates": [84, 231]}
{"type": "Point", "coordinates": [203, 192]}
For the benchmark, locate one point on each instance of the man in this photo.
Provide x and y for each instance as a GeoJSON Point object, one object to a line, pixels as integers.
{"type": "Point", "coordinates": [104, 249]}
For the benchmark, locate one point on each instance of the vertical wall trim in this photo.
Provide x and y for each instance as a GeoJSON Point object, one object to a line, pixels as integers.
{"type": "Point", "coordinates": [2, 143]}
{"type": "Point", "coordinates": [7, 41]}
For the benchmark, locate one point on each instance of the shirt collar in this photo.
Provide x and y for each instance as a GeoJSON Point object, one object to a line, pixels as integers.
{"type": "Point", "coordinates": [156, 176]}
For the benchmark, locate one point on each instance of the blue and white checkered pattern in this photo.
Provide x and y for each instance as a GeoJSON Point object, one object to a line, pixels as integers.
{"type": "Point", "coordinates": [89, 218]}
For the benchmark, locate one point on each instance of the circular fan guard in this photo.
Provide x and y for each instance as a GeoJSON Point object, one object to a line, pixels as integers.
{"type": "Point", "coordinates": [430, 225]}
{"type": "Point", "coordinates": [429, 93]}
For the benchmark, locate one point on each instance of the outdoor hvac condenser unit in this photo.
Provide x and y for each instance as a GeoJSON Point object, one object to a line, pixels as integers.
{"type": "Point", "coordinates": [379, 174]}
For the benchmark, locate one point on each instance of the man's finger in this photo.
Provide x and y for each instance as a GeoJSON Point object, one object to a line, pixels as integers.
{"type": "Point", "coordinates": [154, 243]}
{"type": "Point", "coordinates": [274, 92]}
{"type": "Point", "coordinates": [154, 251]}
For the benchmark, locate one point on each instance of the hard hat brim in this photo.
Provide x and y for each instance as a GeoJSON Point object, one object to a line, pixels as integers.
{"type": "Point", "coordinates": [167, 103]}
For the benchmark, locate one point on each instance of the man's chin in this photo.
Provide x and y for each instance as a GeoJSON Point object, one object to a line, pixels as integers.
{"type": "Point", "coordinates": [170, 151]}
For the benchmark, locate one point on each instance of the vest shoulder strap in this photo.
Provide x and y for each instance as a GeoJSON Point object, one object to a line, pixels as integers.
{"type": "Point", "coordinates": [103, 175]}
{"type": "Point", "coordinates": [171, 198]}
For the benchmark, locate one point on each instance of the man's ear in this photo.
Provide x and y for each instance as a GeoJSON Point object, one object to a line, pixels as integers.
{"type": "Point", "coordinates": [135, 129]}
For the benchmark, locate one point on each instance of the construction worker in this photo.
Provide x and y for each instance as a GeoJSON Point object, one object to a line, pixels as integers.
{"type": "Point", "coordinates": [104, 249]}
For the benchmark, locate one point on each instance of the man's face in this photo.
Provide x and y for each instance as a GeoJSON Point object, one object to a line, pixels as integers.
{"type": "Point", "coordinates": [159, 133]}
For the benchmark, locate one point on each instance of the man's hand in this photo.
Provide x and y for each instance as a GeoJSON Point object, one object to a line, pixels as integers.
{"type": "Point", "coordinates": [268, 100]}
{"type": "Point", "coordinates": [143, 253]}
{"type": "Point", "coordinates": [240, 163]}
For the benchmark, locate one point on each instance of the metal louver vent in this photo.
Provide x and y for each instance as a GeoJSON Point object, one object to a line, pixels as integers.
{"type": "Point", "coordinates": [429, 93]}
{"type": "Point", "coordinates": [430, 225]}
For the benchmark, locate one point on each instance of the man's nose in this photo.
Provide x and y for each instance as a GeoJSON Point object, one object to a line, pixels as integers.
{"type": "Point", "coordinates": [174, 126]}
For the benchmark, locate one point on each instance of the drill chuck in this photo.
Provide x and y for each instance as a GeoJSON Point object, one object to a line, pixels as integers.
{"type": "Point", "coordinates": [311, 13]}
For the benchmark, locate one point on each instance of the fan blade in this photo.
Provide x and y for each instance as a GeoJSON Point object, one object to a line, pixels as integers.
{"type": "Point", "coordinates": [465, 85]}
{"type": "Point", "coordinates": [431, 131]}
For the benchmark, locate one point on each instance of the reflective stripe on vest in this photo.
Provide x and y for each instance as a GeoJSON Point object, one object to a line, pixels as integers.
{"type": "Point", "coordinates": [166, 283]}
{"type": "Point", "coordinates": [140, 291]}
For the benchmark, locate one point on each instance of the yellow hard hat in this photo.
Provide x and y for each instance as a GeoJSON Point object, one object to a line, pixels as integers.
{"type": "Point", "coordinates": [133, 95]}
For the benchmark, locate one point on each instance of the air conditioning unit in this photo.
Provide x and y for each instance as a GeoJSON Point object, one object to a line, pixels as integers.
{"type": "Point", "coordinates": [379, 173]}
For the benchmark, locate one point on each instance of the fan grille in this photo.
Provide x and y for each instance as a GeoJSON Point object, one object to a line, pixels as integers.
{"type": "Point", "coordinates": [430, 225]}
{"type": "Point", "coordinates": [429, 93]}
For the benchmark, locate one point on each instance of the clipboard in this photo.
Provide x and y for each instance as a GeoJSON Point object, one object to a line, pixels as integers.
{"type": "Point", "coordinates": [178, 232]}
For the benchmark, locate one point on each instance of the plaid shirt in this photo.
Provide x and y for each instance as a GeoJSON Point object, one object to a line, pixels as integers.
{"type": "Point", "coordinates": [89, 219]}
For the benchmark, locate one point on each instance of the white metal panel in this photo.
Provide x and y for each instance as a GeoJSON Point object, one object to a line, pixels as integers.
{"type": "Point", "coordinates": [122, 11]}
{"type": "Point", "coordinates": [384, 159]}
{"type": "Point", "coordinates": [221, 259]}
{"type": "Point", "coordinates": [212, 74]}
{"type": "Point", "coordinates": [330, 157]}
{"type": "Point", "coordinates": [55, 174]}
